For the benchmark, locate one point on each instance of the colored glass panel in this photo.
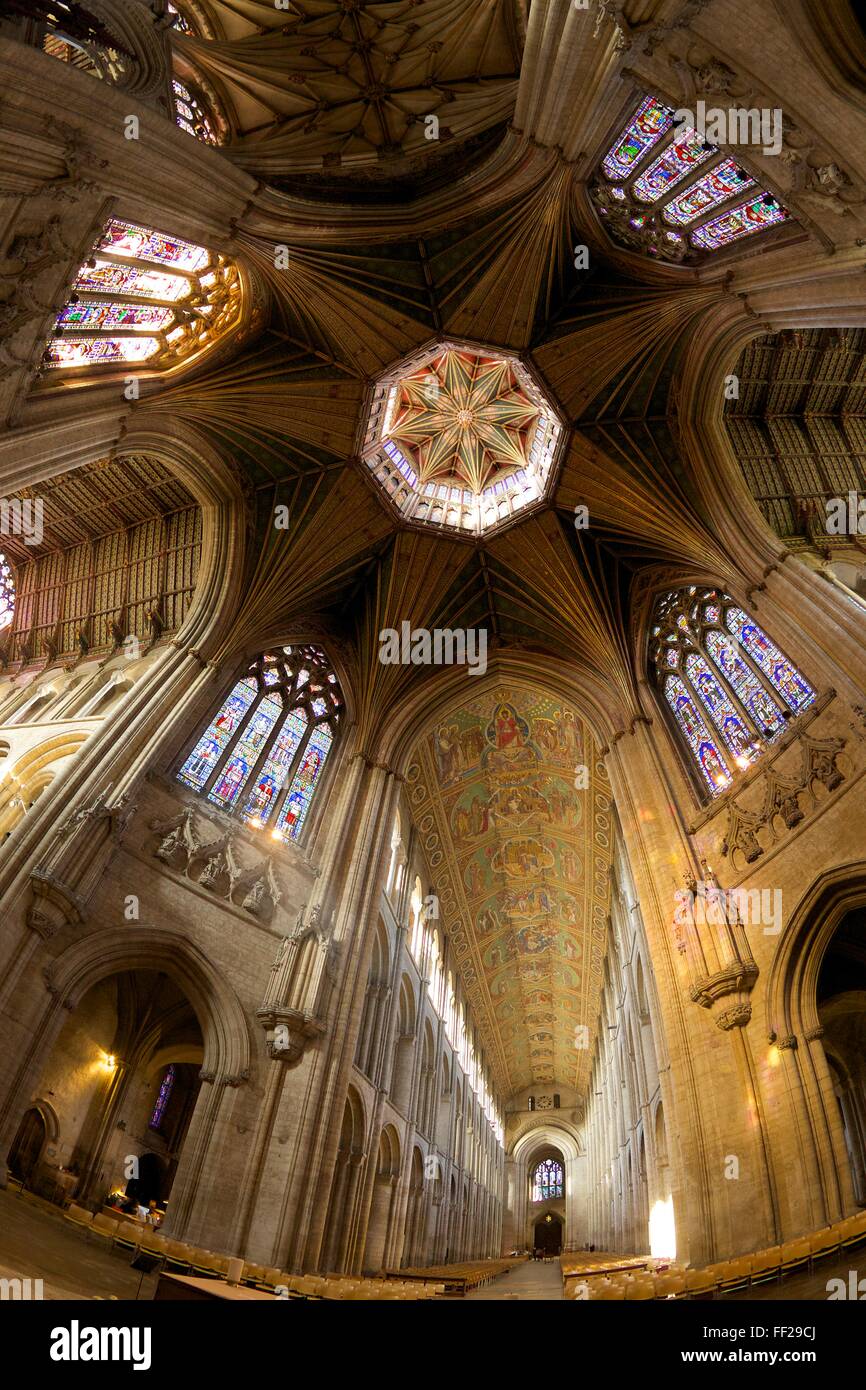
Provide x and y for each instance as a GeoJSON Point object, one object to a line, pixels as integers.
{"type": "Point", "coordinates": [7, 593]}
{"type": "Point", "coordinates": [143, 244]}
{"type": "Point", "coordinates": [751, 693]}
{"type": "Point", "coordinates": [269, 782]}
{"type": "Point", "coordinates": [721, 710]}
{"type": "Point", "coordinates": [106, 277]}
{"type": "Point", "coordinates": [141, 317]}
{"type": "Point", "coordinates": [795, 691]}
{"type": "Point", "coordinates": [233, 776]}
{"type": "Point", "coordinates": [213, 743]}
{"type": "Point", "coordinates": [708, 756]}
{"type": "Point", "coordinates": [649, 124]}
{"type": "Point", "coordinates": [547, 1182]}
{"type": "Point", "coordinates": [162, 1099]}
{"type": "Point", "coordinates": [725, 181]}
{"type": "Point", "coordinates": [77, 352]}
{"type": "Point", "coordinates": [191, 114]}
{"type": "Point", "coordinates": [684, 153]}
{"type": "Point", "coordinates": [754, 216]}
{"type": "Point", "coordinates": [297, 803]}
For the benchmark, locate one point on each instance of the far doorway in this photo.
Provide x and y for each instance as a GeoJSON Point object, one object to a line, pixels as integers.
{"type": "Point", "coordinates": [548, 1234]}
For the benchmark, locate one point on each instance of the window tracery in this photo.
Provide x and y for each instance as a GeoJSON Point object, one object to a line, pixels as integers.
{"type": "Point", "coordinates": [547, 1181]}
{"type": "Point", "coordinates": [665, 189]}
{"type": "Point", "coordinates": [144, 297]}
{"type": "Point", "coordinates": [729, 687]}
{"type": "Point", "coordinates": [262, 756]}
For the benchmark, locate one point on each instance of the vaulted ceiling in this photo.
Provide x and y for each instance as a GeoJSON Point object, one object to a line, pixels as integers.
{"type": "Point", "coordinates": [397, 241]}
{"type": "Point", "coordinates": [351, 87]}
{"type": "Point", "coordinates": [519, 844]}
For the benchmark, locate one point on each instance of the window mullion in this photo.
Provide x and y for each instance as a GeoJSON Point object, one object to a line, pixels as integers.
{"type": "Point", "coordinates": [231, 745]}
{"type": "Point", "coordinates": [728, 688]}
{"type": "Point", "coordinates": [269, 744]}
{"type": "Point", "coordinates": [295, 764]}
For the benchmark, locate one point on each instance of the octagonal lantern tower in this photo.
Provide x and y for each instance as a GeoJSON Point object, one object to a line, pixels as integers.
{"type": "Point", "coordinates": [462, 438]}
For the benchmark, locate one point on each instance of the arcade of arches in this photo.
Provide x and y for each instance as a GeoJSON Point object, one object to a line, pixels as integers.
{"type": "Point", "coordinates": [432, 697]}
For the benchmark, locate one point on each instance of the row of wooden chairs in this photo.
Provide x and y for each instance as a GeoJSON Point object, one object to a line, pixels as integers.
{"type": "Point", "coordinates": [173, 1255]}
{"type": "Point", "coordinates": [585, 1263]}
{"type": "Point", "coordinates": [727, 1276]}
{"type": "Point", "coordinates": [347, 1288]}
{"type": "Point", "coordinates": [459, 1278]}
{"type": "Point", "coordinates": [176, 1257]}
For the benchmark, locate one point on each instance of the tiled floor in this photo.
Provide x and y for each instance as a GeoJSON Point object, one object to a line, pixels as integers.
{"type": "Point", "coordinates": [36, 1243]}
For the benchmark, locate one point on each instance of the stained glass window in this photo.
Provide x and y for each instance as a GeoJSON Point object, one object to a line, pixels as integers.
{"type": "Point", "coordinates": [7, 593]}
{"type": "Point", "coordinates": [181, 23]}
{"type": "Point", "coordinates": [785, 676]}
{"type": "Point", "coordinates": [144, 297]}
{"type": "Point", "coordinates": [650, 122]}
{"type": "Point", "coordinates": [547, 1181]}
{"type": "Point", "coordinates": [204, 757]}
{"type": "Point", "coordinates": [685, 151]}
{"type": "Point", "coordinates": [192, 113]}
{"type": "Point", "coordinates": [305, 781]}
{"type": "Point", "coordinates": [706, 751]}
{"type": "Point", "coordinates": [755, 216]}
{"type": "Point", "coordinates": [730, 689]}
{"type": "Point", "coordinates": [262, 756]}
{"type": "Point", "coordinates": [657, 177]}
{"type": "Point", "coordinates": [162, 1099]}
{"type": "Point", "coordinates": [726, 180]}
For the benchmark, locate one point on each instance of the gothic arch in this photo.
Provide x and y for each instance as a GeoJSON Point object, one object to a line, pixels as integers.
{"type": "Point", "coordinates": [227, 1054]}
{"type": "Point", "coordinates": [793, 976]}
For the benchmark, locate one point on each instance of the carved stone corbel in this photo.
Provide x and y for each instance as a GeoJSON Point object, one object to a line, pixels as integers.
{"type": "Point", "coordinates": [293, 1010]}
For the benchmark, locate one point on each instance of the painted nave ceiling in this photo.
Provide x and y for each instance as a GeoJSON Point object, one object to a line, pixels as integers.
{"type": "Point", "coordinates": [370, 253]}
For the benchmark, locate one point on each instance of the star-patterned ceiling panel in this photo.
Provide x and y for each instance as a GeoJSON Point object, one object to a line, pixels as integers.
{"type": "Point", "coordinates": [520, 853]}
{"type": "Point", "coordinates": [463, 418]}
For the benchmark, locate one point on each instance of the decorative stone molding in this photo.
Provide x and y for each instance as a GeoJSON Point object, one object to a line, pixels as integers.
{"type": "Point", "coordinates": [215, 864]}
{"type": "Point", "coordinates": [736, 1017]}
{"type": "Point", "coordinates": [63, 882]}
{"type": "Point", "coordinates": [733, 980]}
{"type": "Point", "coordinates": [54, 990]}
{"type": "Point", "coordinates": [716, 952]}
{"type": "Point", "coordinates": [214, 1079]}
{"type": "Point", "coordinates": [293, 1010]}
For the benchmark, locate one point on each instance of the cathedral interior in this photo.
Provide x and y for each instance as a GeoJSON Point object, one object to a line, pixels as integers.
{"type": "Point", "coordinates": [432, 662]}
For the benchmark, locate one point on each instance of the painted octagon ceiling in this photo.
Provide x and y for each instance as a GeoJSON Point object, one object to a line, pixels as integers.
{"type": "Point", "coordinates": [462, 437]}
{"type": "Point", "coordinates": [520, 860]}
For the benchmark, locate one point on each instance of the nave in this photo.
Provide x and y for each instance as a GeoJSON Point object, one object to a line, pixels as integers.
{"type": "Point", "coordinates": [432, 660]}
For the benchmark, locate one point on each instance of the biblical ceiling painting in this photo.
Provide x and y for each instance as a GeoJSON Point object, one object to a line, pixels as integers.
{"type": "Point", "coordinates": [520, 856]}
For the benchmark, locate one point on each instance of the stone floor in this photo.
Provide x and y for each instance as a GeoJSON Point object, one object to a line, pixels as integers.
{"type": "Point", "coordinates": [36, 1243]}
{"type": "Point", "coordinates": [536, 1279]}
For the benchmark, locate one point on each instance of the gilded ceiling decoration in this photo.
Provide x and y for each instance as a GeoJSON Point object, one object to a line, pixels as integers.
{"type": "Point", "coordinates": [520, 860]}
{"type": "Point", "coordinates": [462, 437]}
